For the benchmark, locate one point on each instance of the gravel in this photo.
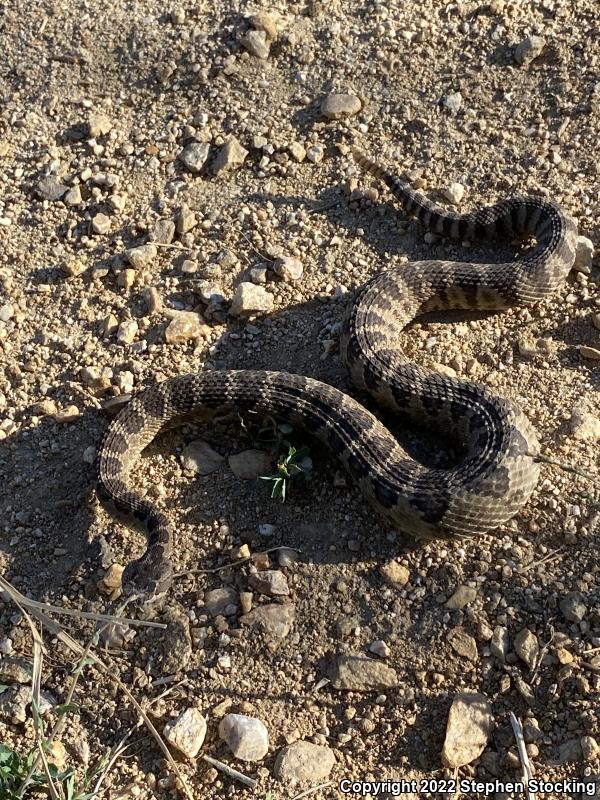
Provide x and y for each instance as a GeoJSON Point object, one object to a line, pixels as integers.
{"type": "Point", "coordinates": [117, 126]}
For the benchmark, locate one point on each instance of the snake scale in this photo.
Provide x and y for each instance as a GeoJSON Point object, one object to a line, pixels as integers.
{"type": "Point", "coordinates": [498, 471]}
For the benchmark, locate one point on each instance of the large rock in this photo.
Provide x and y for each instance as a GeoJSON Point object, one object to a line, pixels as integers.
{"type": "Point", "coordinates": [362, 674]}
{"type": "Point", "coordinates": [469, 727]}
{"type": "Point", "coordinates": [304, 762]}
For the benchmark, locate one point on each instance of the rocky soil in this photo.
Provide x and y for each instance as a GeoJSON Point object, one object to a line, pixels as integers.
{"type": "Point", "coordinates": [178, 194]}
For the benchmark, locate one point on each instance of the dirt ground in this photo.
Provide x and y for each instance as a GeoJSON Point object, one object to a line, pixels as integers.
{"type": "Point", "coordinates": [99, 104]}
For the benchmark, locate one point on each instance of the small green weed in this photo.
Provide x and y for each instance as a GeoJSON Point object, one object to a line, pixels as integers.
{"type": "Point", "coordinates": [14, 769]}
{"type": "Point", "coordinates": [293, 458]}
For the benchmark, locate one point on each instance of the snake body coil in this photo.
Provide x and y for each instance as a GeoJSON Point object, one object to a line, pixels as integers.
{"type": "Point", "coordinates": [497, 474]}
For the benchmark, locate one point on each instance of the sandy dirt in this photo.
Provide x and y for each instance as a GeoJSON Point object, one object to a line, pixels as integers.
{"type": "Point", "coordinates": [99, 104]}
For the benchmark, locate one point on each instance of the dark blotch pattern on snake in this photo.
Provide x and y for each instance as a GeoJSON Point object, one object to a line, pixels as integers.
{"type": "Point", "coordinates": [497, 474]}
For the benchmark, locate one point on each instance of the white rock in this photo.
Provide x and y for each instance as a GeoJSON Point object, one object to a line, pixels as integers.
{"type": "Point", "coordinates": [469, 727]}
{"type": "Point", "coordinates": [453, 101]}
{"type": "Point", "coordinates": [101, 224]}
{"type": "Point", "coordinates": [98, 125]}
{"type": "Point", "coordinates": [199, 457]}
{"type": "Point", "coordinates": [454, 192]}
{"type": "Point", "coordinates": [141, 256]}
{"type": "Point", "coordinates": [246, 737]}
{"type": "Point", "coordinates": [315, 153]}
{"type": "Point", "coordinates": [127, 331]}
{"type": "Point", "coordinates": [304, 762]}
{"type": "Point", "coordinates": [250, 464]}
{"type": "Point", "coordinates": [187, 732]}
{"type": "Point", "coordinates": [250, 299]}
{"type": "Point", "coordinates": [288, 269]}
{"type": "Point", "coordinates": [256, 43]}
{"type": "Point", "coordinates": [380, 648]}
{"type": "Point", "coordinates": [194, 156]}
{"type": "Point", "coordinates": [584, 255]}
{"type": "Point", "coordinates": [230, 156]}
{"type": "Point", "coordinates": [340, 105]}
{"type": "Point", "coordinates": [185, 326]}
{"type": "Point", "coordinates": [7, 312]}
{"type": "Point", "coordinates": [527, 647]}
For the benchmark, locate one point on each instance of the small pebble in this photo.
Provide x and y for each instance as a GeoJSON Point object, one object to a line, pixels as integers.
{"type": "Point", "coordinates": [529, 49]}
{"type": "Point", "coordinates": [194, 156]}
{"type": "Point", "coordinates": [256, 43]}
{"type": "Point", "coordinates": [246, 737]}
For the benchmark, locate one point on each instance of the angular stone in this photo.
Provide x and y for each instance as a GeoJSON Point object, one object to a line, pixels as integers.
{"type": "Point", "coordinates": [263, 21]}
{"type": "Point", "coordinates": [141, 256]}
{"type": "Point", "coordinates": [101, 224]}
{"type": "Point", "coordinates": [527, 647]}
{"type": "Point", "coordinates": [463, 643]}
{"type": "Point", "coordinates": [573, 607]}
{"type": "Point", "coordinates": [289, 269]}
{"type": "Point", "coordinates": [462, 596]}
{"type": "Point", "coordinates": [250, 464]}
{"type": "Point", "coordinates": [339, 105]}
{"type": "Point", "coordinates": [500, 642]}
{"type": "Point", "coordinates": [163, 231]}
{"type": "Point", "coordinates": [271, 582]}
{"type": "Point", "coordinates": [199, 457]}
{"type": "Point", "coordinates": [127, 331]}
{"type": "Point", "coordinates": [218, 601]}
{"type": "Point", "coordinates": [185, 326]}
{"type": "Point", "coordinates": [584, 426]}
{"type": "Point", "coordinates": [194, 156]}
{"type": "Point", "coordinates": [187, 732]}
{"type": "Point", "coordinates": [98, 125]}
{"type": "Point", "coordinates": [528, 49]}
{"type": "Point", "coordinates": [185, 220]}
{"type": "Point", "coordinates": [395, 573]}
{"type": "Point", "coordinates": [152, 299]}
{"type": "Point", "coordinates": [274, 620]}
{"type": "Point", "coordinates": [14, 702]}
{"type": "Point", "coordinates": [303, 762]}
{"type": "Point", "coordinates": [362, 674]}
{"type": "Point", "coordinates": [468, 729]}
{"type": "Point", "coordinates": [256, 43]}
{"type": "Point", "coordinates": [584, 255]}
{"type": "Point", "coordinates": [230, 156]}
{"type": "Point", "coordinates": [73, 196]}
{"type": "Point", "coordinates": [250, 299]}
{"type": "Point", "coordinates": [454, 192]}
{"type": "Point", "coordinates": [246, 737]}
{"type": "Point", "coordinates": [51, 188]}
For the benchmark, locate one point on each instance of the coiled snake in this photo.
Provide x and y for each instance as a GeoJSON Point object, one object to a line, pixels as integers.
{"type": "Point", "coordinates": [498, 472]}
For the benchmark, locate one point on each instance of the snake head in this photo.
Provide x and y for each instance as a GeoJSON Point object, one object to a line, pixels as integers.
{"type": "Point", "coordinates": [145, 579]}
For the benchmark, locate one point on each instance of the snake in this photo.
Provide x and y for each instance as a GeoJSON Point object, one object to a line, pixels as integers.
{"type": "Point", "coordinates": [497, 470]}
